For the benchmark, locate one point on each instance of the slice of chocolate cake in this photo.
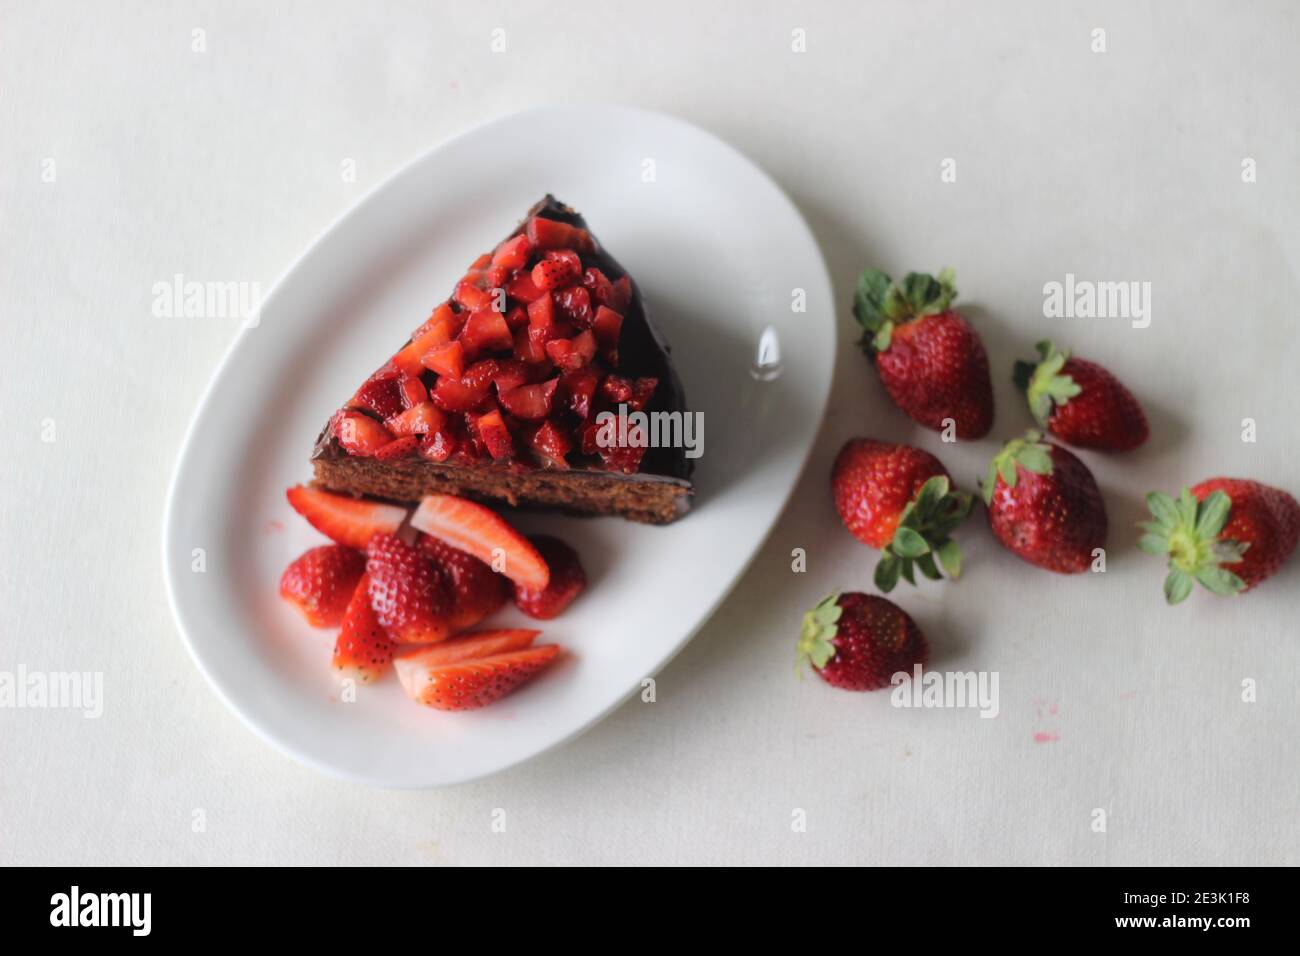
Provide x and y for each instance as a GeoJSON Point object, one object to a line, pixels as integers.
{"type": "Point", "coordinates": [501, 394]}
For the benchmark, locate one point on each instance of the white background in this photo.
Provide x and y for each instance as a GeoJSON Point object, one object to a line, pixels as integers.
{"type": "Point", "coordinates": [1122, 165]}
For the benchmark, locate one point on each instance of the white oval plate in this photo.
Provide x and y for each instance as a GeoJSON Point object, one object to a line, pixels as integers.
{"type": "Point", "coordinates": [717, 249]}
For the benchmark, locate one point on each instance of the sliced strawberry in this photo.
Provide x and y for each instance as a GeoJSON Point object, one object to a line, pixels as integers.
{"type": "Point", "coordinates": [320, 581]}
{"type": "Point", "coordinates": [418, 420]}
{"type": "Point", "coordinates": [381, 394]}
{"type": "Point", "coordinates": [486, 330]}
{"type": "Point", "coordinates": [475, 645]}
{"type": "Point", "coordinates": [511, 373]}
{"type": "Point", "coordinates": [549, 234]}
{"type": "Point", "coordinates": [360, 434]}
{"type": "Point", "coordinates": [363, 650]}
{"type": "Point", "coordinates": [568, 580]}
{"type": "Point", "coordinates": [476, 590]}
{"type": "Point", "coordinates": [555, 272]}
{"type": "Point", "coordinates": [579, 387]}
{"type": "Point", "coordinates": [551, 444]}
{"type": "Point", "coordinates": [409, 594]}
{"type": "Point", "coordinates": [570, 259]}
{"type": "Point", "coordinates": [574, 303]}
{"type": "Point", "coordinates": [471, 298]}
{"type": "Point", "coordinates": [398, 448]}
{"type": "Point", "coordinates": [516, 317]}
{"type": "Point", "coordinates": [442, 314]}
{"type": "Point", "coordinates": [522, 288]}
{"type": "Point", "coordinates": [607, 325]}
{"type": "Point", "coordinates": [635, 394]}
{"type": "Point", "coordinates": [441, 327]}
{"type": "Point", "coordinates": [598, 285]}
{"type": "Point", "coordinates": [483, 533]}
{"type": "Point", "coordinates": [528, 348]}
{"type": "Point", "coordinates": [445, 359]}
{"type": "Point", "coordinates": [468, 684]}
{"type": "Point", "coordinates": [617, 388]}
{"type": "Point", "coordinates": [493, 433]}
{"type": "Point", "coordinates": [643, 390]}
{"type": "Point", "coordinates": [620, 297]}
{"type": "Point", "coordinates": [624, 458]}
{"type": "Point", "coordinates": [572, 353]}
{"type": "Point", "coordinates": [452, 395]}
{"type": "Point", "coordinates": [439, 445]}
{"type": "Point", "coordinates": [513, 253]}
{"type": "Point", "coordinates": [413, 392]}
{"type": "Point", "coordinates": [349, 521]}
{"type": "Point", "coordinates": [541, 312]}
{"type": "Point", "coordinates": [530, 402]}
{"type": "Point", "coordinates": [480, 375]}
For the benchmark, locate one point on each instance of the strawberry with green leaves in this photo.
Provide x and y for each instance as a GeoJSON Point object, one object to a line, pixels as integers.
{"type": "Point", "coordinates": [858, 641]}
{"type": "Point", "coordinates": [1044, 505]}
{"type": "Point", "coordinates": [930, 359]}
{"type": "Point", "coordinates": [900, 500]}
{"type": "Point", "coordinates": [1080, 402]}
{"type": "Point", "coordinates": [1229, 534]}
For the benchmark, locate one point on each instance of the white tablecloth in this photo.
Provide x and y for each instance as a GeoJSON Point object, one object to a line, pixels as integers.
{"type": "Point", "coordinates": [128, 155]}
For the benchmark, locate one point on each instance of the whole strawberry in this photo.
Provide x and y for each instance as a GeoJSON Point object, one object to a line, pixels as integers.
{"type": "Point", "coordinates": [930, 360]}
{"type": "Point", "coordinates": [899, 499]}
{"type": "Point", "coordinates": [858, 641]}
{"type": "Point", "coordinates": [1080, 402]}
{"type": "Point", "coordinates": [1222, 522]}
{"type": "Point", "coordinates": [321, 581]}
{"type": "Point", "coordinates": [1044, 505]}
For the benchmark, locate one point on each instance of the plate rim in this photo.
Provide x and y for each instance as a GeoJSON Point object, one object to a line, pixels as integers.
{"type": "Point", "coordinates": [338, 772]}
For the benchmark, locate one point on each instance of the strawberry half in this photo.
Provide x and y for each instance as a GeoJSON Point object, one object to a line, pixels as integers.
{"type": "Point", "coordinates": [407, 592]}
{"type": "Point", "coordinates": [466, 684]}
{"type": "Point", "coordinates": [1044, 505]}
{"type": "Point", "coordinates": [568, 580]}
{"type": "Point", "coordinates": [319, 583]}
{"type": "Point", "coordinates": [476, 590]}
{"type": "Point", "coordinates": [930, 360]}
{"type": "Point", "coordinates": [349, 521]}
{"type": "Point", "coordinates": [363, 650]}
{"type": "Point", "coordinates": [1080, 402]}
{"type": "Point", "coordinates": [472, 646]}
{"type": "Point", "coordinates": [469, 526]}
{"type": "Point", "coordinates": [900, 499]}
{"type": "Point", "coordinates": [1223, 521]}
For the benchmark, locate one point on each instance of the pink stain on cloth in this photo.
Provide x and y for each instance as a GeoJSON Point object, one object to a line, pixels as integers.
{"type": "Point", "coordinates": [1045, 736]}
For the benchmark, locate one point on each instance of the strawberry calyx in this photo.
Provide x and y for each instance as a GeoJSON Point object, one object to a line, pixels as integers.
{"type": "Point", "coordinates": [1043, 383]}
{"type": "Point", "coordinates": [1030, 453]}
{"type": "Point", "coordinates": [1188, 531]}
{"type": "Point", "coordinates": [923, 533]}
{"type": "Point", "coordinates": [880, 304]}
{"type": "Point", "coordinates": [819, 628]}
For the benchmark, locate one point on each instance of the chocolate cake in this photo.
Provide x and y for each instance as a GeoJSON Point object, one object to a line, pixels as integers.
{"type": "Point", "coordinates": [498, 395]}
